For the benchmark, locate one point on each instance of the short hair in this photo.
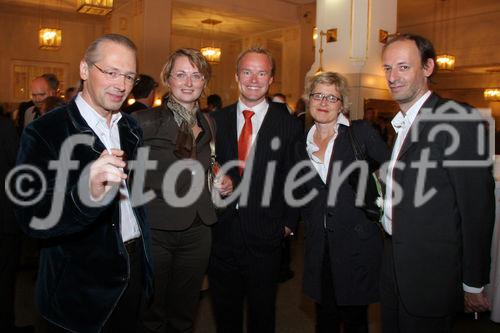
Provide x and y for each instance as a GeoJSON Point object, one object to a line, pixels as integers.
{"type": "Point", "coordinates": [329, 78]}
{"type": "Point", "coordinates": [144, 86]}
{"type": "Point", "coordinates": [52, 81]}
{"type": "Point", "coordinates": [259, 50]}
{"type": "Point", "coordinates": [425, 47]}
{"type": "Point", "coordinates": [195, 58]}
{"type": "Point", "coordinates": [92, 53]}
{"type": "Point", "coordinates": [215, 100]}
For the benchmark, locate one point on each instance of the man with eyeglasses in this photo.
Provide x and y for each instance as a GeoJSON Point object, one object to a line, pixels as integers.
{"type": "Point", "coordinates": [95, 266]}
{"type": "Point", "coordinates": [246, 251]}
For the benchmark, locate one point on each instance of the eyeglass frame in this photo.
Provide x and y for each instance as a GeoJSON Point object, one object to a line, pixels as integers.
{"type": "Point", "coordinates": [113, 75]}
{"type": "Point", "coordinates": [176, 77]}
{"type": "Point", "coordinates": [323, 97]}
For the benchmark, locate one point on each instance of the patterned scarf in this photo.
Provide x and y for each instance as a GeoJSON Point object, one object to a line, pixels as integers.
{"type": "Point", "coordinates": [185, 119]}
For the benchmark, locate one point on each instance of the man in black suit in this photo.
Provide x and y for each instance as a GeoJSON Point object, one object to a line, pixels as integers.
{"type": "Point", "coordinates": [439, 221]}
{"type": "Point", "coordinates": [95, 253]}
{"type": "Point", "coordinates": [246, 250]}
{"type": "Point", "coordinates": [144, 94]}
{"type": "Point", "coordinates": [10, 234]}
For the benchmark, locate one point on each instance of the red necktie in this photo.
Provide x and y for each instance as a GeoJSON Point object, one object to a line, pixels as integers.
{"type": "Point", "coordinates": [245, 140]}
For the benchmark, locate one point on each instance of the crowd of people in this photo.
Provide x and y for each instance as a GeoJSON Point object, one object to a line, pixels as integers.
{"type": "Point", "coordinates": [116, 257]}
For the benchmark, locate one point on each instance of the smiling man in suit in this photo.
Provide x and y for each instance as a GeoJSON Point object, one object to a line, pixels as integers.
{"type": "Point", "coordinates": [95, 253]}
{"type": "Point", "coordinates": [437, 252]}
{"type": "Point", "coordinates": [246, 250]}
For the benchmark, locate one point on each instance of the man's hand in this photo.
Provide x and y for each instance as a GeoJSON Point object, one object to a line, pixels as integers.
{"type": "Point", "coordinates": [224, 185]}
{"type": "Point", "coordinates": [476, 302]}
{"type": "Point", "coordinates": [106, 171]}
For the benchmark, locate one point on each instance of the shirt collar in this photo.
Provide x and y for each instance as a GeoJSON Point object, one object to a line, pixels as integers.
{"type": "Point", "coordinates": [311, 146]}
{"type": "Point", "coordinates": [259, 109]}
{"type": "Point", "coordinates": [92, 117]}
{"type": "Point", "coordinates": [401, 121]}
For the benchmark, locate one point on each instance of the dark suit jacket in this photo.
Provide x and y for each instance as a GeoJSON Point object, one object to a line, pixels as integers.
{"type": "Point", "coordinates": [262, 226]}
{"type": "Point", "coordinates": [136, 106]}
{"type": "Point", "coordinates": [355, 243]}
{"type": "Point", "coordinates": [447, 240]}
{"type": "Point", "coordinates": [8, 150]}
{"type": "Point", "coordinates": [160, 134]}
{"type": "Point", "coordinates": [84, 265]}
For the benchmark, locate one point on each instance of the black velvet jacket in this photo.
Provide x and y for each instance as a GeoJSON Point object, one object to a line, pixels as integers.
{"type": "Point", "coordinates": [84, 266]}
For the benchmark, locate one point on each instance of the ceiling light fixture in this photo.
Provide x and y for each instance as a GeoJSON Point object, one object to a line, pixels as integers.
{"type": "Point", "coordinates": [211, 52]}
{"type": "Point", "coordinates": [95, 7]}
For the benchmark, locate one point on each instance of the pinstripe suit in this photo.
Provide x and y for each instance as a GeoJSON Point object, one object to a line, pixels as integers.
{"type": "Point", "coordinates": [247, 238]}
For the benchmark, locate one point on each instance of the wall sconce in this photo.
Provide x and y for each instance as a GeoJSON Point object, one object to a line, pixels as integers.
{"type": "Point", "coordinates": [331, 36]}
{"type": "Point", "coordinates": [49, 38]}
{"type": "Point", "coordinates": [95, 7]}
{"type": "Point", "coordinates": [383, 35]}
{"type": "Point", "coordinates": [492, 94]}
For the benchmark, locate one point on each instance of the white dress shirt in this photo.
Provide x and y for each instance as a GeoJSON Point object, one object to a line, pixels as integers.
{"type": "Point", "coordinates": [311, 147]}
{"type": "Point", "coordinates": [401, 123]}
{"type": "Point", "coordinates": [260, 111]}
{"type": "Point", "coordinates": [110, 137]}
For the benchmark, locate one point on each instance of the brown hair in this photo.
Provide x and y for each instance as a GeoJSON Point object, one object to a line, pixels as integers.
{"type": "Point", "coordinates": [195, 58]}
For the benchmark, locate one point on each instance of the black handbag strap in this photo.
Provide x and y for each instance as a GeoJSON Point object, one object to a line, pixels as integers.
{"type": "Point", "coordinates": [358, 153]}
{"type": "Point", "coordinates": [211, 126]}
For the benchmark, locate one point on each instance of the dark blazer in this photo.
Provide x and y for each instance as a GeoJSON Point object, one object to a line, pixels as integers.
{"type": "Point", "coordinates": [9, 142]}
{"type": "Point", "coordinates": [262, 226]}
{"type": "Point", "coordinates": [447, 240]}
{"type": "Point", "coordinates": [136, 106]}
{"type": "Point", "coordinates": [354, 242]}
{"type": "Point", "coordinates": [84, 265]}
{"type": "Point", "coordinates": [160, 134]}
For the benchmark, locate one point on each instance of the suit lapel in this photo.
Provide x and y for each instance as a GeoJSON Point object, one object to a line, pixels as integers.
{"type": "Point", "coordinates": [84, 128]}
{"type": "Point", "coordinates": [232, 133]}
{"type": "Point", "coordinates": [129, 138]}
{"type": "Point", "coordinates": [430, 103]}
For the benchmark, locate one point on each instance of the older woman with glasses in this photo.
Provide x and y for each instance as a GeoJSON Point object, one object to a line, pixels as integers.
{"type": "Point", "coordinates": [178, 136]}
{"type": "Point", "coordinates": [343, 247]}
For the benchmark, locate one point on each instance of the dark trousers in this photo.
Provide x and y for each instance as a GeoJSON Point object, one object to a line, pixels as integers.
{"type": "Point", "coordinates": [395, 317]}
{"type": "Point", "coordinates": [180, 261]}
{"type": "Point", "coordinates": [10, 246]}
{"type": "Point", "coordinates": [239, 275]}
{"type": "Point", "coordinates": [125, 316]}
{"type": "Point", "coordinates": [329, 315]}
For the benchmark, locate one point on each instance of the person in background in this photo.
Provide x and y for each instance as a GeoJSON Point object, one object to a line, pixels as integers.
{"type": "Point", "coordinates": [69, 94]}
{"type": "Point", "coordinates": [95, 254]}
{"type": "Point", "coordinates": [41, 88]}
{"type": "Point", "coordinates": [343, 248]}
{"type": "Point", "coordinates": [144, 94]}
{"type": "Point", "coordinates": [246, 252]}
{"type": "Point", "coordinates": [214, 103]}
{"type": "Point", "coordinates": [178, 133]}
{"type": "Point", "coordinates": [10, 234]}
{"type": "Point", "coordinates": [438, 239]}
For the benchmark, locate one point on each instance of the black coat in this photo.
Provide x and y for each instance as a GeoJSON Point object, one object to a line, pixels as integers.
{"type": "Point", "coordinates": [262, 225]}
{"type": "Point", "coordinates": [447, 240]}
{"type": "Point", "coordinates": [160, 134]}
{"type": "Point", "coordinates": [355, 243]}
{"type": "Point", "coordinates": [8, 150]}
{"type": "Point", "coordinates": [84, 266]}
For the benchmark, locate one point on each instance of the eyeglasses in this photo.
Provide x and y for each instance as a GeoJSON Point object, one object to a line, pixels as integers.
{"type": "Point", "coordinates": [183, 76]}
{"type": "Point", "coordinates": [320, 97]}
{"type": "Point", "coordinates": [130, 79]}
